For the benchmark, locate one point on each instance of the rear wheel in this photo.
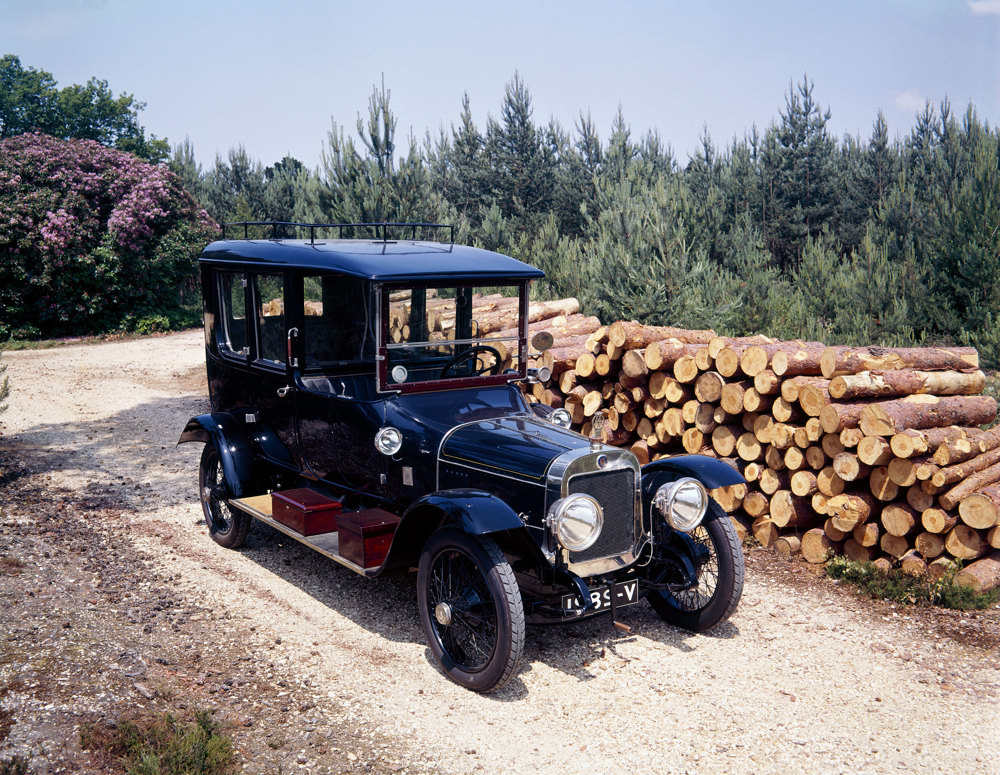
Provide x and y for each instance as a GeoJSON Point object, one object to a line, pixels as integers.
{"type": "Point", "coordinates": [718, 561]}
{"type": "Point", "coordinates": [470, 609]}
{"type": "Point", "coordinates": [227, 526]}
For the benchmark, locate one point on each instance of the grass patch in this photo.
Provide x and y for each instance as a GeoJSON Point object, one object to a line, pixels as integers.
{"type": "Point", "coordinates": [15, 765]}
{"type": "Point", "coordinates": [160, 744]}
{"type": "Point", "coordinates": [898, 587]}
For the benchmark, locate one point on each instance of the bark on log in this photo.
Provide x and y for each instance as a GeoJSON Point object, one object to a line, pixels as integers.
{"type": "Point", "coordinates": [982, 575]}
{"type": "Point", "coordinates": [836, 417]}
{"type": "Point", "coordinates": [976, 481]}
{"type": "Point", "coordinates": [957, 473]}
{"type": "Point", "coordinates": [926, 411]}
{"type": "Point", "coordinates": [961, 450]}
{"type": "Point", "coordinates": [718, 343]}
{"type": "Point", "coordinates": [818, 547]}
{"type": "Point", "coordinates": [837, 361]}
{"type": "Point", "coordinates": [906, 382]}
{"type": "Point", "coordinates": [980, 509]}
{"type": "Point", "coordinates": [804, 360]}
{"type": "Point", "coordinates": [630, 335]}
{"type": "Point", "coordinates": [964, 542]}
{"type": "Point", "coordinates": [907, 443]}
{"type": "Point", "coordinates": [663, 355]}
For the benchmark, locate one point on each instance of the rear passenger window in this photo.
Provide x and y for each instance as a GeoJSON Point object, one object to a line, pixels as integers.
{"type": "Point", "coordinates": [233, 313]}
{"type": "Point", "coordinates": [270, 296]}
{"type": "Point", "coordinates": [335, 320]}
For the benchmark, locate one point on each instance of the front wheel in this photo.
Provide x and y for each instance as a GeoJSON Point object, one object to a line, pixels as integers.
{"type": "Point", "coordinates": [718, 561]}
{"type": "Point", "coordinates": [227, 526]}
{"type": "Point", "coordinates": [470, 609]}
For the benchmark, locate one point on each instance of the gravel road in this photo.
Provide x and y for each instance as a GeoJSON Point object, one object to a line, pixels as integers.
{"type": "Point", "coordinates": [804, 677]}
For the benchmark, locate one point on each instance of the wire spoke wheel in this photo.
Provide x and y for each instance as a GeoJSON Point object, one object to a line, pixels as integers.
{"type": "Point", "coordinates": [226, 525]}
{"type": "Point", "coordinates": [714, 552]}
{"type": "Point", "coordinates": [708, 574]}
{"type": "Point", "coordinates": [470, 608]}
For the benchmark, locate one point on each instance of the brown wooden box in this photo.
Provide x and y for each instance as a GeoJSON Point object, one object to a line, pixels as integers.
{"type": "Point", "coordinates": [365, 536]}
{"type": "Point", "coordinates": [305, 511]}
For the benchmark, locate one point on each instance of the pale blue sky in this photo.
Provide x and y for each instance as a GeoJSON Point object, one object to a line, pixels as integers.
{"type": "Point", "coordinates": [271, 76]}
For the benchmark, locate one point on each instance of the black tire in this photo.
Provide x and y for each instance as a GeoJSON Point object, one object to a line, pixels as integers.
{"type": "Point", "coordinates": [478, 635]}
{"type": "Point", "coordinates": [227, 526]}
{"type": "Point", "coordinates": [720, 578]}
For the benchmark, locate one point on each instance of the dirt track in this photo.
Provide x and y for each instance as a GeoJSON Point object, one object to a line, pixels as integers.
{"type": "Point", "coordinates": [803, 678]}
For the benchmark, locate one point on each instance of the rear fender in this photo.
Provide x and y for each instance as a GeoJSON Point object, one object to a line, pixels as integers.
{"type": "Point", "coordinates": [709, 471]}
{"type": "Point", "coordinates": [476, 512]}
{"type": "Point", "coordinates": [236, 451]}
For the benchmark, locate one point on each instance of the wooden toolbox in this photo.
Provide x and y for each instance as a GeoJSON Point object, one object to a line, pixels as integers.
{"type": "Point", "coordinates": [305, 511]}
{"type": "Point", "coordinates": [365, 536]}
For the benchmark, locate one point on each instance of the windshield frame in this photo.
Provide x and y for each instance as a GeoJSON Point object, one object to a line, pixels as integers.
{"type": "Point", "coordinates": [382, 294]}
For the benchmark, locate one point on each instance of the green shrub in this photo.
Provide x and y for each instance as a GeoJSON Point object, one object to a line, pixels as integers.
{"type": "Point", "coordinates": [162, 745]}
{"type": "Point", "coordinates": [898, 587]}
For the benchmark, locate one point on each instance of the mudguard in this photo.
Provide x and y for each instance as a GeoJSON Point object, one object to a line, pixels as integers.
{"type": "Point", "coordinates": [475, 511]}
{"type": "Point", "coordinates": [231, 442]}
{"type": "Point", "coordinates": [708, 470]}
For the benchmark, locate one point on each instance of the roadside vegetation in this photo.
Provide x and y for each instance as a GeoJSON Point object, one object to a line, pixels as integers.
{"type": "Point", "coordinates": [899, 587]}
{"type": "Point", "coordinates": [161, 744]}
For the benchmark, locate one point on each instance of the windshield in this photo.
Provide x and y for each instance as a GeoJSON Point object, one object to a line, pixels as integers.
{"type": "Point", "coordinates": [451, 333]}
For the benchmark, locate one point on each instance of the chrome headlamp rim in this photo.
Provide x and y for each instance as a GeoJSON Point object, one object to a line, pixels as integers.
{"type": "Point", "coordinates": [388, 440]}
{"type": "Point", "coordinates": [561, 417]}
{"type": "Point", "coordinates": [557, 519]}
{"type": "Point", "coordinates": [665, 500]}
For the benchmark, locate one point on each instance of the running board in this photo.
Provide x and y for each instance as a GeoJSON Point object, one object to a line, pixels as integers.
{"type": "Point", "coordinates": [327, 544]}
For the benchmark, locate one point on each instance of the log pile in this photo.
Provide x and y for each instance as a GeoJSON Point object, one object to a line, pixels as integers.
{"type": "Point", "coordinates": [874, 453]}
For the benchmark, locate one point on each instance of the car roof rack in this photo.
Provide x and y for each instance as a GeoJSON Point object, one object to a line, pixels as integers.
{"type": "Point", "coordinates": [287, 226]}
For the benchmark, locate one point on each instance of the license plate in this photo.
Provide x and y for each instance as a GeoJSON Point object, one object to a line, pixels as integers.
{"type": "Point", "coordinates": [625, 593]}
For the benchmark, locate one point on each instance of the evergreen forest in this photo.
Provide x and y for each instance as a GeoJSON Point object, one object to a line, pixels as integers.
{"type": "Point", "coordinates": [787, 231]}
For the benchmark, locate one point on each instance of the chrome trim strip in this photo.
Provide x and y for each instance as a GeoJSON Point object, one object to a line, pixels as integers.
{"type": "Point", "coordinates": [489, 471]}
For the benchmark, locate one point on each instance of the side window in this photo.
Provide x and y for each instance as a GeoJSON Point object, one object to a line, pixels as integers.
{"type": "Point", "coordinates": [270, 296]}
{"type": "Point", "coordinates": [336, 325]}
{"type": "Point", "coordinates": [232, 334]}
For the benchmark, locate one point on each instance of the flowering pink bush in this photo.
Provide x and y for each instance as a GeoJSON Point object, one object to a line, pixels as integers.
{"type": "Point", "coordinates": [91, 238]}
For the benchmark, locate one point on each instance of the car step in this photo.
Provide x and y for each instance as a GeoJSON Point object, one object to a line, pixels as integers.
{"type": "Point", "coordinates": [377, 528]}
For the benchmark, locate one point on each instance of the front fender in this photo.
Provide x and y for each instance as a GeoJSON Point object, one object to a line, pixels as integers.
{"type": "Point", "coordinates": [474, 511]}
{"type": "Point", "coordinates": [236, 452]}
{"type": "Point", "coordinates": [708, 470]}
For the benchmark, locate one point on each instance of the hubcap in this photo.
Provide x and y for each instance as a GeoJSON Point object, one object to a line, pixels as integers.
{"type": "Point", "coordinates": [442, 612]}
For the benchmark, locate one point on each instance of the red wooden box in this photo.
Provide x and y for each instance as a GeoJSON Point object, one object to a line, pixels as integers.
{"type": "Point", "coordinates": [305, 511]}
{"type": "Point", "coordinates": [365, 536]}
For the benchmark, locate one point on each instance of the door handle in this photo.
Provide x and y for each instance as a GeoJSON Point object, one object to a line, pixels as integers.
{"type": "Point", "coordinates": [283, 391]}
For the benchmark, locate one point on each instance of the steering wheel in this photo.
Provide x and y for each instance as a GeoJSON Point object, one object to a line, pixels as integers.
{"type": "Point", "coordinates": [470, 353]}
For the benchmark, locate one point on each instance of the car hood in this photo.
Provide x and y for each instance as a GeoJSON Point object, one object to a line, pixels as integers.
{"type": "Point", "coordinates": [521, 447]}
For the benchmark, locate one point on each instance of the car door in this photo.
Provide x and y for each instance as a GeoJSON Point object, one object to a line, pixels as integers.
{"type": "Point", "coordinates": [270, 391]}
{"type": "Point", "coordinates": [337, 406]}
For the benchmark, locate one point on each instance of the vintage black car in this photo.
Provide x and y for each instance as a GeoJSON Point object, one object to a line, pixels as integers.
{"type": "Point", "coordinates": [365, 404]}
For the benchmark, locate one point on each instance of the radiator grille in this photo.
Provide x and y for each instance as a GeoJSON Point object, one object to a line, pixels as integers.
{"type": "Point", "coordinates": [615, 491]}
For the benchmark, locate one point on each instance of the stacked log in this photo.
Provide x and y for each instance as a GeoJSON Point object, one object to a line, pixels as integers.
{"type": "Point", "coordinates": [876, 453]}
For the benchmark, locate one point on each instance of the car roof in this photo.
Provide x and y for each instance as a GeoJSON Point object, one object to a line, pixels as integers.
{"type": "Point", "coordinates": [389, 261]}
